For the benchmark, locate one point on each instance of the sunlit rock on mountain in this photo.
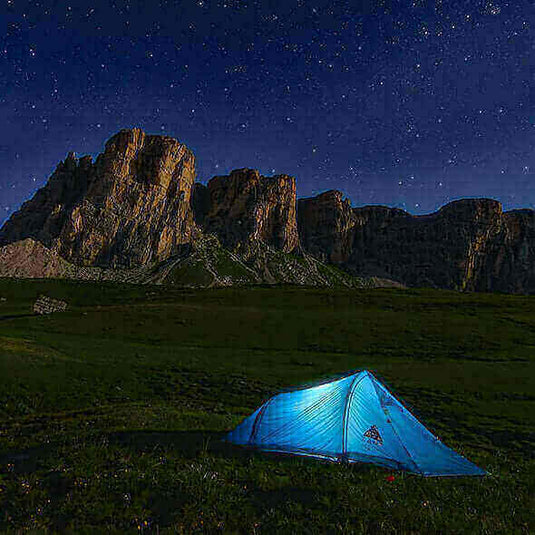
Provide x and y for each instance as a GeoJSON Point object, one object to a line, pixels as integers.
{"type": "Point", "coordinates": [136, 214]}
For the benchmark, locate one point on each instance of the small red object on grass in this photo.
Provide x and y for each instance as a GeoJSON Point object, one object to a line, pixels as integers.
{"type": "Point", "coordinates": [390, 478]}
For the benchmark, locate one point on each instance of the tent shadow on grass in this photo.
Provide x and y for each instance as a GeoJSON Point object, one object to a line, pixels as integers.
{"type": "Point", "coordinates": [188, 444]}
{"type": "Point", "coordinates": [192, 444]}
{"type": "Point", "coordinates": [185, 444]}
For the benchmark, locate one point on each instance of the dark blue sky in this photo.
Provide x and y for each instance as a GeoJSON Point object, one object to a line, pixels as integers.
{"type": "Point", "coordinates": [408, 104]}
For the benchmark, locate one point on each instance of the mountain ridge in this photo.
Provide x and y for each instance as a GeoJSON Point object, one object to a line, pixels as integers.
{"type": "Point", "coordinates": [138, 206]}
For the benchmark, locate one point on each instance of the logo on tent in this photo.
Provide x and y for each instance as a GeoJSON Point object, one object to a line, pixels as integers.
{"type": "Point", "coordinates": [373, 433]}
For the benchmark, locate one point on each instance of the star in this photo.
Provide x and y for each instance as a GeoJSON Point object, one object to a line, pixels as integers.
{"type": "Point", "coordinates": [398, 92]}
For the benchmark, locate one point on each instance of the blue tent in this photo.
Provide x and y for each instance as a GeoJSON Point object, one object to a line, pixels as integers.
{"type": "Point", "coordinates": [353, 419]}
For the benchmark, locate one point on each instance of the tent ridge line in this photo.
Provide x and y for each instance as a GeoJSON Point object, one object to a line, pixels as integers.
{"type": "Point", "coordinates": [358, 378]}
{"type": "Point", "coordinates": [258, 419]}
{"type": "Point", "coordinates": [388, 420]}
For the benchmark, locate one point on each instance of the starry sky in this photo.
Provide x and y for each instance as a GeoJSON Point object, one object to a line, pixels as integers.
{"type": "Point", "coordinates": [402, 103]}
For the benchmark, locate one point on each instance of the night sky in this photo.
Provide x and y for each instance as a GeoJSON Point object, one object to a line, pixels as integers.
{"type": "Point", "coordinates": [407, 104]}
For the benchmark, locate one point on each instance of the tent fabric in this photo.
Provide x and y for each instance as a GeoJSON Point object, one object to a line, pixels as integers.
{"type": "Point", "coordinates": [352, 419]}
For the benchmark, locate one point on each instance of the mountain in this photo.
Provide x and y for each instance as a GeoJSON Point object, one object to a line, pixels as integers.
{"type": "Point", "coordinates": [136, 214]}
{"type": "Point", "coordinates": [469, 244]}
{"type": "Point", "coordinates": [129, 207]}
{"type": "Point", "coordinates": [246, 207]}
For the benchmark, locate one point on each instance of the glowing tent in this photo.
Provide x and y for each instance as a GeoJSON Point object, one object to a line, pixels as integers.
{"type": "Point", "coordinates": [353, 419]}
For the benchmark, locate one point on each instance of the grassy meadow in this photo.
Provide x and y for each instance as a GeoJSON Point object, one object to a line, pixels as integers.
{"type": "Point", "coordinates": [111, 413]}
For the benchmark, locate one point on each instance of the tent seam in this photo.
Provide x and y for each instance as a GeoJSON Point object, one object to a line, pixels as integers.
{"type": "Point", "coordinates": [350, 392]}
{"type": "Point", "coordinates": [389, 421]}
{"type": "Point", "coordinates": [258, 418]}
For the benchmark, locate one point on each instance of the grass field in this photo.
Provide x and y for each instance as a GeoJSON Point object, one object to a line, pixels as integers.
{"type": "Point", "coordinates": [111, 413]}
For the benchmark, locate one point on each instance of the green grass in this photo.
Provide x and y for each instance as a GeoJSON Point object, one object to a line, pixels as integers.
{"type": "Point", "coordinates": [111, 413]}
{"type": "Point", "coordinates": [227, 267]}
{"type": "Point", "coordinates": [191, 272]}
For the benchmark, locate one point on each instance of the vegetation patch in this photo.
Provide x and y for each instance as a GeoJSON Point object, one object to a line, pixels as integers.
{"type": "Point", "coordinates": [112, 412]}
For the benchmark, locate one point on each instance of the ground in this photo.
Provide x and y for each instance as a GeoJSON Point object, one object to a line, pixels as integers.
{"type": "Point", "coordinates": [111, 413]}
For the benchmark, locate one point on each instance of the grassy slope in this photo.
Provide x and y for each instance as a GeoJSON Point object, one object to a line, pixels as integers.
{"type": "Point", "coordinates": [110, 413]}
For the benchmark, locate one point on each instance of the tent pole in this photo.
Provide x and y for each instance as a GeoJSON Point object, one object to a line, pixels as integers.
{"type": "Point", "coordinates": [356, 380]}
{"type": "Point", "coordinates": [258, 419]}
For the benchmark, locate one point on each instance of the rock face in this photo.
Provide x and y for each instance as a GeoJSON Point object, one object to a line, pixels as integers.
{"type": "Point", "coordinates": [43, 217]}
{"type": "Point", "coordinates": [137, 215]}
{"type": "Point", "coordinates": [129, 208]}
{"type": "Point", "coordinates": [470, 244]}
{"type": "Point", "coordinates": [443, 250]}
{"type": "Point", "coordinates": [246, 207]}
{"type": "Point", "coordinates": [326, 225]}
{"type": "Point", "coordinates": [509, 264]}
{"type": "Point", "coordinates": [47, 305]}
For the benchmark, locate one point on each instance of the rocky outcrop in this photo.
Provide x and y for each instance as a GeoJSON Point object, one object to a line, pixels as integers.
{"type": "Point", "coordinates": [44, 216]}
{"type": "Point", "coordinates": [470, 244]}
{"type": "Point", "coordinates": [246, 207]}
{"type": "Point", "coordinates": [326, 225]}
{"type": "Point", "coordinates": [444, 249]}
{"type": "Point", "coordinates": [509, 261]}
{"type": "Point", "coordinates": [47, 305]}
{"type": "Point", "coordinates": [136, 214]}
{"type": "Point", "coordinates": [129, 208]}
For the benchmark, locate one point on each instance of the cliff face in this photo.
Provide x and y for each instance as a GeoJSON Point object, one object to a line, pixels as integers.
{"type": "Point", "coordinates": [246, 207]}
{"type": "Point", "coordinates": [509, 264]}
{"type": "Point", "coordinates": [44, 216]}
{"type": "Point", "coordinates": [326, 224]}
{"type": "Point", "coordinates": [468, 244]}
{"type": "Point", "coordinates": [130, 207]}
{"type": "Point", "coordinates": [443, 249]}
{"type": "Point", "coordinates": [136, 213]}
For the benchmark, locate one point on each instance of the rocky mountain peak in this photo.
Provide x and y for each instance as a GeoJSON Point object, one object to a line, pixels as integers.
{"type": "Point", "coordinates": [246, 206]}
{"type": "Point", "coordinates": [137, 210]}
{"type": "Point", "coordinates": [472, 208]}
{"type": "Point", "coordinates": [130, 207]}
{"type": "Point", "coordinates": [325, 225]}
